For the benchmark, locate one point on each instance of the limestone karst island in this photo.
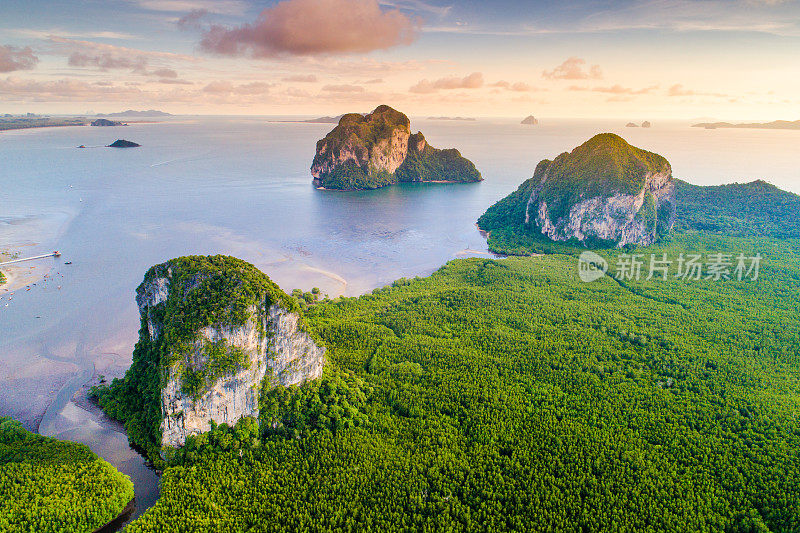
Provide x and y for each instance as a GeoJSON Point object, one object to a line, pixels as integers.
{"type": "Point", "coordinates": [418, 266]}
{"type": "Point", "coordinates": [378, 149]}
{"type": "Point", "coordinates": [603, 191]}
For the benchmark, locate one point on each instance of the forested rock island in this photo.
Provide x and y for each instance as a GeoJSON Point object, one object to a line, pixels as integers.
{"type": "Point", "coordinates": [375, 150]}
{"type": "Point", "coordinates": [604, 192]}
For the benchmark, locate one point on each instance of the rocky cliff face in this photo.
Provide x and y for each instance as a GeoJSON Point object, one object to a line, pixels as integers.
{"type": "Point", "coordinates": [223, 331]}
{"type": "Point", "coordinates": [603, 192]}
{"type": "Point", "coordinates": [371, 151]}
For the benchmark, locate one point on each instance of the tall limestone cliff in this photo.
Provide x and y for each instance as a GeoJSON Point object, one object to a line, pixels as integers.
{"type": "Point", "coordinates": [215, 332]}
{"type": "Point", "coordinates": [603, 192]}
{"type": "Point", "coordinates": [378, 149]}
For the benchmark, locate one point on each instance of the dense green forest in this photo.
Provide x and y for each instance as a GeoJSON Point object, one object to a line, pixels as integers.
{"type": "Point", "coordinates": [508, 395]}
{"type": "Point", "coordinates": [756, 209]}
{"type": "Point", "coordinates": [48, 485]}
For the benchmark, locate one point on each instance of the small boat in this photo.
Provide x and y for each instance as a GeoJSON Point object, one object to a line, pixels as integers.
{"type": "Point", "coordinates": [56, 254]}
{"type": "Point", "coordinates": [82, 146]}
{"type": "Point", "coordinates": [68, 263]}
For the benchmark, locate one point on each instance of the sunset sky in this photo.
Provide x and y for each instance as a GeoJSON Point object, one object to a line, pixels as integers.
{"type": "Point", "coordinates": [729, 59]}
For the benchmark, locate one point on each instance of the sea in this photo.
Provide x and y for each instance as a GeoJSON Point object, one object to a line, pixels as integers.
{"type": "Point", "coordinates": [241, 186]}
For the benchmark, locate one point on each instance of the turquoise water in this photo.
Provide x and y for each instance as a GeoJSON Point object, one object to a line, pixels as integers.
{"type": "Point", "coordinates": [241, 186]}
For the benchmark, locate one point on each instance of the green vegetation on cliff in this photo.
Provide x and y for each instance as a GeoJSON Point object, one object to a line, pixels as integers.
{"type": "Point", "coordinates": [431, 164]}
{"type": "Point", "coordinates": [204, 291]}
{"type": "Point", "coordinates": [756, 209]}
{"type": "Point", "coordinates": [603, 166]}
{"type": "Point", "coordinates": [48, 485]}
{"type": "Point", "coordinates": [509, 396]}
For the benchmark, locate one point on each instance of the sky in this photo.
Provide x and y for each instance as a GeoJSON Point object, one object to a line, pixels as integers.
{"type": "Point", "coordinates": [652, 59]}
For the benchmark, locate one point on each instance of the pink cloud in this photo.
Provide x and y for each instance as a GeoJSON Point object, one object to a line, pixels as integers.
{"type": "Point", "coordinates": [343, 89]}
{"type": "Point", "coordinates": [314, 27]}
{"type": "Point", "coordinates": [300, 78]}
{"type": "Point", "coordinates": [192, 20]}
{"type": "Point", "coordinates": [165, 73]}
{"type": "Point", "coordinates": [520, 87]}
{"type": "Point", "coordinates": [574, 69]}
{"type": "Point", "coordinates": [226, 87]}
{"type": "Point", "coordinates": [473, 81]}
{"type": "Point", "coordinates": [13, 58]}
{"type": "Point", "coordinates": [616, 90]}
{"type": "Point", "coordinates": [679, 90]}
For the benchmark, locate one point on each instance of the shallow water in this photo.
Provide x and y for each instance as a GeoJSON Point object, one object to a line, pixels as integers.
{"type": "Point", "coordinates": [241, 186]}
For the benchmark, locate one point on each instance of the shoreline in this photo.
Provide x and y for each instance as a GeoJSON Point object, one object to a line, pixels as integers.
{"type": "Point", "coordinates": [88, 123]}
{"type": "Point", "coordinates": [445, 182]}
{"type": "Point", "coordinates": [117, 523]}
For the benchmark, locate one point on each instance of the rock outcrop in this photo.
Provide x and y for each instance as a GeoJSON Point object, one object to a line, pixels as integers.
{"type": "Point", "coordinates": [102, 122]}
{"type": "Point", "coordinates": [646, 124]}
{"type": "Point", "coordinates": [220, 332]}
{"type": "Point", "coordinates": [378, 149]}
{"type": "Point", "coordinates": [122, 143]}
{"type": "Point", "coordinates": [530, 120]}
{"type": "Point", "coordinates": [603, 192]}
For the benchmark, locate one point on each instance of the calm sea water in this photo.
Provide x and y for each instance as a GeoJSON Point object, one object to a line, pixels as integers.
{"type": "Point", "coordinates": [241, 186]}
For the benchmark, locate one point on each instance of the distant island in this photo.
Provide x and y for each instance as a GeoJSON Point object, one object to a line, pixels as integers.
{"type": "Point", "coordinates": [132, 113]}
{"type": "Point", "coordinates": [530, 120]}
{"type": "Point", "coordinates": [324, 120]}
{"type": "Point", "coordinates": [774, 125]}
{"type": "Point", "coordinates": [13, 122]}
{"type": "Point", "coordinates": [122, 143]}
{"type": "Point", "coordinates": [646, 124]}
{"type": "Point", "coordinates": [378, 149]}
{"type": "Point", "coordinates": [631, 125]}
{"type": "Point", "coordinates": [468, 119]}
{"type": "Point", "coordinates": [102, 122]}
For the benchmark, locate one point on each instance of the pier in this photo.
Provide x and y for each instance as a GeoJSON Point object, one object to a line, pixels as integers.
{"type": "Point", "coordinates": [13, 261]}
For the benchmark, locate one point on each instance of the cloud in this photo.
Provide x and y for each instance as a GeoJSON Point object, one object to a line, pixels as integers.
{"type": "Point", "coordinates": [418, 5]}
{"type": "Point", "coordinates": [300, 78]}
{"type": "Point", "coordinates": [519, 86]}
{"type": "Point", "coordinates": [618, 89]}
{"type": "Point", "coordinates": [314, 27]}
{"type": "Point", "coordinates": [222, 7]}
{"type": "Point", "coordinates": [573, 69]}
{"type": "Point", "coordinates": [171, 81]}
{"type": "Point", "coordinates": [226, 88]}
{"type": "Point", "coordinates": [104, 57]}
{"type": "Point", "coordinates": [343, 89]}
{"type": "Point", "coordinates": [65, 90]}
{"type": "Point", "coordinates": [473, 81]}
{"type": "Point", "coordinates": [165, 73]}
{"type": "Point", "coordinates": [373, 81]}
{"type": "Point", "coordinates": [192, 20]}
{"type": "Point", "coordinates": [67, 46]}
{"type": "Point", "coordinates": [13, 58]}
{"type": "Point", "coordinates": [679, 90]}
{"type": "Point", "coordinates": [107, 61]}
